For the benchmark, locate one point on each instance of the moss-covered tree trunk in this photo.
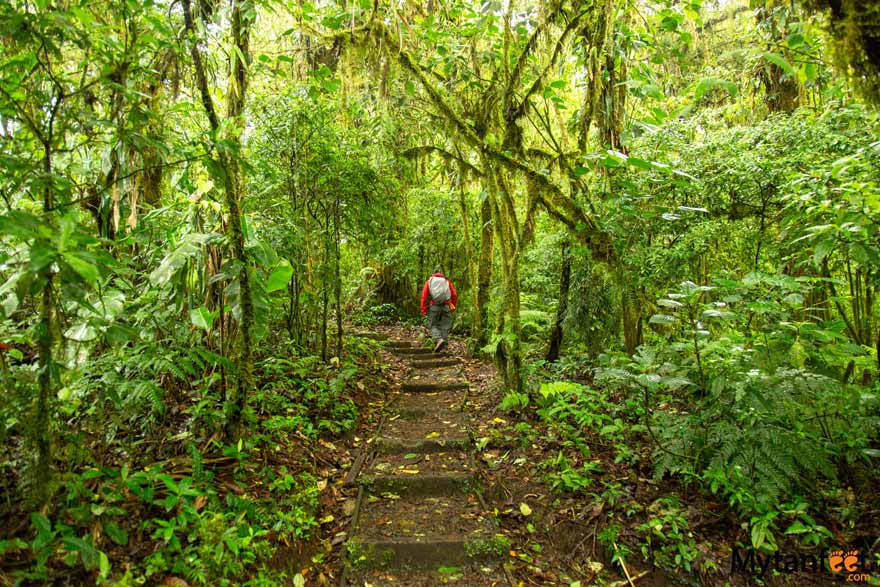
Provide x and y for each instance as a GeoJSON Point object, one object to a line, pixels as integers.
{"type": "Point", "coordinates": [562, 306]}
{"type": "Point", "coordinates": [45, 337]}
{"type": "Point", "coordinates": [508, 328]}
{"type": "Point", "coordinates": [470, 262]}
{"type": "Point", "coordinates": [484, 275]}
{"type": "Point", "coordinates": [242, 18]}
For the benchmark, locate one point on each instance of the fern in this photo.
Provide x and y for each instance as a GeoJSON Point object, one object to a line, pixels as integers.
{"type": "Point", "coordinates": [760, 437]}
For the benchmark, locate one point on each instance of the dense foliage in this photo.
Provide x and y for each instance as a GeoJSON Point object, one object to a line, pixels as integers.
{"type": "Point", "coordinates": [662, 219]}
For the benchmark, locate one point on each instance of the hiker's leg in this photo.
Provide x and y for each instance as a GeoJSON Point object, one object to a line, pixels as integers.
{"type": "Point", "coordinates": [445, 323]}
{"type": "Point", "coordinates": [434, 315]}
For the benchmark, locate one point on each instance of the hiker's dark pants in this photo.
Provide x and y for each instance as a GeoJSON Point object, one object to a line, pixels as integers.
{"type": "Point", "coordinates": [440, 321]}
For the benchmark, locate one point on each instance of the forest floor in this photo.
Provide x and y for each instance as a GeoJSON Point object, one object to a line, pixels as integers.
{"type": "Point", "coordinates": [540, 539]}
{"type": "Point", "coordinates": [549, 536]}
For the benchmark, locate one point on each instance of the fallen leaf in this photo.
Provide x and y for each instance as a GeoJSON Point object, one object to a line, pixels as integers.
{"type": "Point", "coordinates": [525, 509]}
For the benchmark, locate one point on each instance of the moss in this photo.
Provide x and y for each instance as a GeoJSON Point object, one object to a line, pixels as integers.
{"type": "Point", "coordinates": [356, 554]}
{"type": "Point", "coordinates": [493, 546]}
{"type": "Point", "coordinates": [361, 556]}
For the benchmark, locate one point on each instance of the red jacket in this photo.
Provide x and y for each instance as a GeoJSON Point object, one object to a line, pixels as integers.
{"type": "Point", "coordinates": [426, 293]}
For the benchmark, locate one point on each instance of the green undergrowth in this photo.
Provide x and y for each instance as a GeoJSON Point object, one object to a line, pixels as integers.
{"type": "Point", "coordinates": [774, 458]}
{"type": "Point", "coordinates": [157, 494]}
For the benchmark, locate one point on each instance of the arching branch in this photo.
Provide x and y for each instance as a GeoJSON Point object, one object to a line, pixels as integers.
{"type": "Point", "coordinates": [511, 116]}
{"type": "Point", "coordinates": [415, 152]}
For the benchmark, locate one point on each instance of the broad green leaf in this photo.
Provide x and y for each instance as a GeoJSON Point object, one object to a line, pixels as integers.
{"type": "Point", "coordinates": [280, 276]}
{"type": "Point", "coordinates": [189, 246]}
{"type": "Point", "coordinates": [709, 83]}
{"type": "Point", "coordinates": [117, 534]}
{"type": "Point", "coordinates": [201, 318]}
{"type": "Point", "coordinates": [662, 319]}
{"type": "Point", "coordinates": [779, 61]}
{"type": "Point", "coordinates": [103, 564]}
{"type": "Point", "coordinates": [640, 163]}
{"type": "Point", "coordinates": [83, 268]}
{"type": "Point", "coordinates": [81, 332]}
{"type": "Point", "coordinates": [669, 303]}
{"type": "Point", "coordinates": [9, 304]}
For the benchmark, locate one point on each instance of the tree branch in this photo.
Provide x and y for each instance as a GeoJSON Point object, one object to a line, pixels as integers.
{"type": "Point", "coordinates": [415, 152]}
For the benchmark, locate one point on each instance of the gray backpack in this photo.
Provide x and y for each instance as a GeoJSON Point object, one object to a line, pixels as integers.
{"type": "Point", "coordinates": [439, 288]}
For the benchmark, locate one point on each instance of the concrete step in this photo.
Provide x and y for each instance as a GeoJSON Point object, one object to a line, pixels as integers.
{"type": "Point", "coordinates": [428, 445]}
{"type": "Point", "coordinates": [413, 350]}
{"type": "Point", "coordinates": [432, 362]}
{"type": "Point", "coordinates": [432, 386]}
{"type": "Point", "coordinates": [372, 335]}
{"type": "Point", "coordinates": [442, 473]}
{"type": "Point", "coordinates": [427, 485]}
{"type": "Point", "coordinates": [400, 344]}
{"type": "Point", "coordinates": [417, 405]}
{"type": "Point", "coordinates": [427, 433]}
{"type": "Point", "coordinates": [489, 574]}
{"type": "Point", "coordinates": [415, 532]}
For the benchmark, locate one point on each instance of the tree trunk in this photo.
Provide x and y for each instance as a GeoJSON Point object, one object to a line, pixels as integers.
{"type": "Point", "coordinates": [484, 276]}
{"type": "Point", "coordinates": [470, 262]}
{"type": "Point", "coordinates": [325, 300]}
{"type": "Point", "coordinates": [562, 307]}
{"type": "Point", "coordinates": [508, 331]}
{"type": "Point", "coordinates": [337, 280]}
{"type": "Point", "coordinates": [242, 18]}
{"type": "Point", "coordinates": [45, 342]}
{"type": "Point", "coordinates": [632, 319]}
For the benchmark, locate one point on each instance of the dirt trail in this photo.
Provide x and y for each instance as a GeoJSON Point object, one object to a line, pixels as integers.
{"type": "Point", "coordinates": [419, 520]}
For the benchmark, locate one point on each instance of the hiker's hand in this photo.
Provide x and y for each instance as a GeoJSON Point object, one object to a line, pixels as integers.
{"type": "Point", "coordinates": [452, 307]}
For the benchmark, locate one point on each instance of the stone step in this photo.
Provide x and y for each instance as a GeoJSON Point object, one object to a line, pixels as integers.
{"type": "Point", "coordinates": [414, 532]}
{"type": "Point", "coordinates": [431, 445]}
{"type": "Point", "coordinates": [432, 362]}
{"type": "Point", "coordinates": [372, 335]}
{"type": "Point", "coordinates": [490, 574]}
{"type": "Point", "coordinates": [413, 350]}
{"type": "Point", "coordinates": [431, 386]}
{"type": "Point", "coordinates": [442, 473]}
{"type": "Point", "coordinates": [400, 344]}
{"type": "Point", "coordinates": [427, 485]}
{"type": "Point", "coordinates": [440, 427]}
{"type": "Point", "coordinates": [416, 405]}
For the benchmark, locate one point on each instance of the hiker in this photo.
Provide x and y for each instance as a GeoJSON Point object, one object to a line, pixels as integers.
{"type": "Point", "coordinates": [442, 298]}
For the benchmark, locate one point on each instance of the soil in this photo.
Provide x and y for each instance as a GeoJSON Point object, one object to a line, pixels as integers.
{"type": "Point", "coordinates": [450, 401]}
{"type": "Point", "coordinates": [406, 464]}
{"type": "Point", "coordinates": [439, 426]}
{"type": "Point", "coordinates": [474, 576]}
{"type": "Point", "coordinates": [423, 518]}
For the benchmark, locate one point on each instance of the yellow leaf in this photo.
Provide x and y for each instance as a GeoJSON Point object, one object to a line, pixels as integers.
{"type": "Point", "coordinates": [432, 435]}
{"type": "Point", "coordinates": [525, 509]}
